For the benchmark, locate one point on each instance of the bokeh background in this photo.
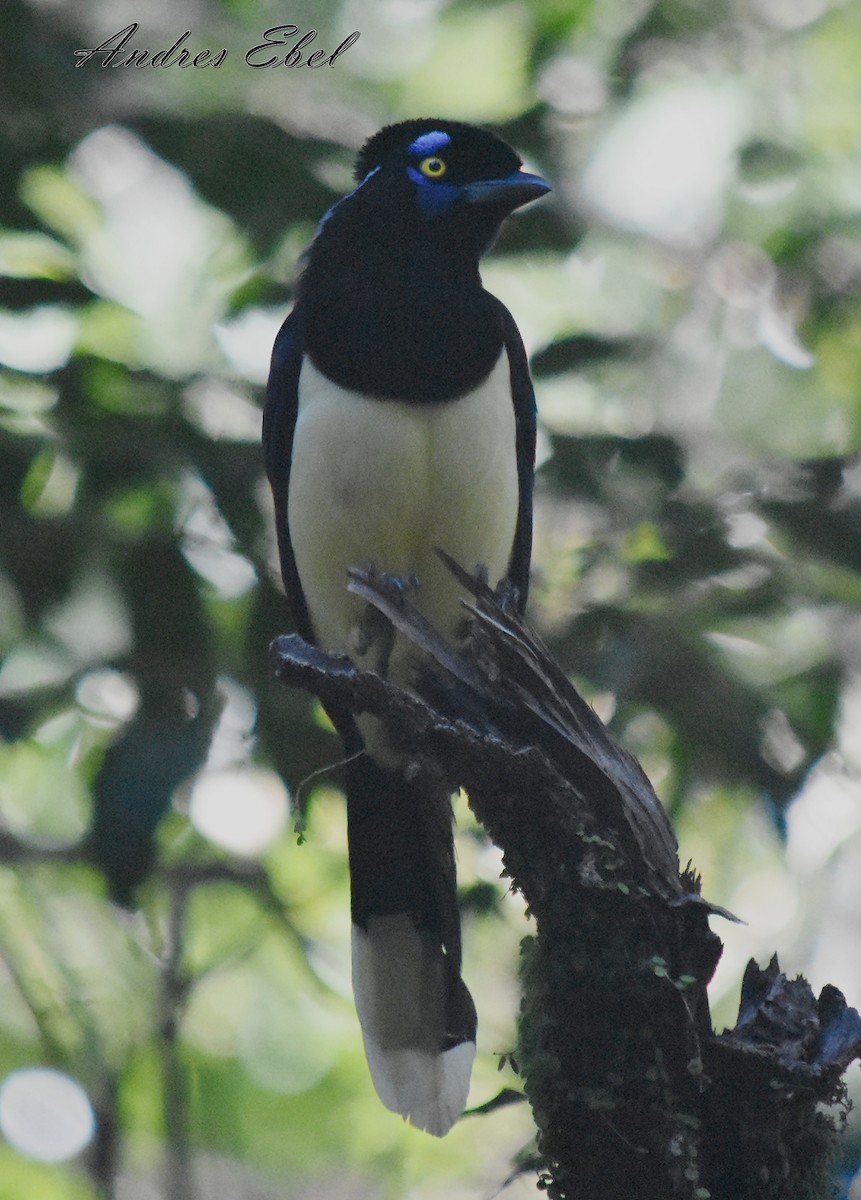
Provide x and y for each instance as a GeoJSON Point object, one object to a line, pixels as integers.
{"type": "Point", "coordinates": [175, 1012]}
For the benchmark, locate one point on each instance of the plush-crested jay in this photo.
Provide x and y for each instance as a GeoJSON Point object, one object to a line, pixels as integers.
{"type": "Point", "coordinates": [399, 418]}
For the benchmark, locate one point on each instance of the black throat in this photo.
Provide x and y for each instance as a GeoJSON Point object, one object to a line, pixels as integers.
{"type": "Point", "coordinates": [392, 305]}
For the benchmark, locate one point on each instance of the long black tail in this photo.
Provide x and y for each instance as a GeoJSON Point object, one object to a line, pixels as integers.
{"type": "Point", "coordinates": [417, 1016]}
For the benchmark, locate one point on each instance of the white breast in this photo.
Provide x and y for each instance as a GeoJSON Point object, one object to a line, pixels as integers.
{"type": "Point", "coordinates": [382, 483]}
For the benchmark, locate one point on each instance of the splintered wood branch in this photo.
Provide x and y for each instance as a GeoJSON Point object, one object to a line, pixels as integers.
{"type": "Point", "coordinates": [633, 1093]}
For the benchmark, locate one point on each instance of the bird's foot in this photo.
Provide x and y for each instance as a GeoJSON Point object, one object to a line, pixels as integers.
{"type": "Point", "coordinates": [396, 587]}
{"type": "Point", "coordinates": [374, 631]}
{"type": "Point", "coordinates": [509, 597]}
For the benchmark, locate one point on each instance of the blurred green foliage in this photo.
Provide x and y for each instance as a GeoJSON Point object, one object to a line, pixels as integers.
{"type": "Point", "coordinates": [691, 296]}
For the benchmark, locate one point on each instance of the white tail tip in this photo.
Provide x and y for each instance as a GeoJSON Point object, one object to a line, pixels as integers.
{"type": "Point", "coordinates": [399, 986]}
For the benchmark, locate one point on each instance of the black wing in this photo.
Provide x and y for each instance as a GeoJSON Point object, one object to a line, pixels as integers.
{"type": "Point", "coordinates": [279, 423]}
{"type": "Point", "coordinates": [523, 398]}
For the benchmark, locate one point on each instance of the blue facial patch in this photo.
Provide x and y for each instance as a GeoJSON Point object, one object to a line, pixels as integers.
{"type": "Point", "coordinates": [429, 143]}
{"type": "Point", "coordinates": [433, 198]}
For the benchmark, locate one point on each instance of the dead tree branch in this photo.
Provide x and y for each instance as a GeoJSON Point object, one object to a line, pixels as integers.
{"type": "Point", "coordinates": [633, 1093]}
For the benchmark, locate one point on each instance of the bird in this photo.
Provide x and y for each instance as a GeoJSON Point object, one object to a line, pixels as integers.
{"type": "Point", "coordinates": [400, 420]}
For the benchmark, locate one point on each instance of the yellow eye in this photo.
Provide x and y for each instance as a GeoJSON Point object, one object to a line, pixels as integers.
{"type": "Point", "coordinates": [432, 168]}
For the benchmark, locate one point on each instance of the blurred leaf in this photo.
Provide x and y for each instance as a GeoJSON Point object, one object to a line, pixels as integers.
{"type": "Point", "coordinates": [133, 792]}
{"type": "Point", "coordinates": [33, 774]}
{"type": "Point", "coordinates": [263, 191]}
{"type": "Point", "coordinates": [27, 397]}
{"type": "Point", "coordinates": [582, 350]}
{"type": "Point", "coordinates": [40, 1181]}
{"type": "Point", "coordinates": [136, 511]}
{"type": "Point", "coordinates": [34, 256]}
{"type": "Point", "coordinates": [557, 20]}
{"type": "Point", "coordinates": [111, 332]}
{"type": "Point", "coordinates": [820, 504]}
{"type": "Point", "coordinates": [832, 117]}
{"type": "Point", "coordinates": [59, 202]}
{"type": "Point", "coordinates": [767, 163]}
{"type": "Point", "coordinates": [824, 421]}
{"type": "Point", "coordinates": [659, 661]}
{"type": "Point", "coordinates": [36, 478]}
{"type": "Point", "coordinates": [644, 544]}
{"type": "Point", "coordinates": [463, 35]}
{"type": "Point", "coordinates": [589, 465]}
{"type": "Point", "coordinates": [480, 897]}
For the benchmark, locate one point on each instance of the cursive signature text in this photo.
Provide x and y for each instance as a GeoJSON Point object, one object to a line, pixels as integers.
{"type": "Point", "coordinates": [117, 51]}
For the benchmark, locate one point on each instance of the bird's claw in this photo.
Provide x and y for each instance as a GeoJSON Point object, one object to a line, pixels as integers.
{"type": "Point", "coordinates": [373, 630]}
{"type": "Point", "coordinates": [509, 597]}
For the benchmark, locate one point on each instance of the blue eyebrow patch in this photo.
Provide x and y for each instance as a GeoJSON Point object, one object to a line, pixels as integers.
{"type": "Point", "coordinates": [429, 143]}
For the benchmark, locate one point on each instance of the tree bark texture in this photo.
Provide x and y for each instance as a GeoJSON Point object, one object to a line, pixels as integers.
{"type": "Point", "coordinates": [634, 1095]}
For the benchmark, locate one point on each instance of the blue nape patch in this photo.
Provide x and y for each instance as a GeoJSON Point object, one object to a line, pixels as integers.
{"type": "Point", "coordinates": [429, 143]}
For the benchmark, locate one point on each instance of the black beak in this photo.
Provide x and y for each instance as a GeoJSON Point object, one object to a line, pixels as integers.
{"type": "Point", "coordinates": [512, 192]}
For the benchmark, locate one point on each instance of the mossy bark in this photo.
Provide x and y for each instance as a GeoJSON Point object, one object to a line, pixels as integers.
{"type": "Point", "coordinates": [634, 1095]}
